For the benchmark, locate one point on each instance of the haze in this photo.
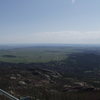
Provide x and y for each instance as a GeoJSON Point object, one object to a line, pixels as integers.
{"type": "Point", "coordinates": [50, 21]}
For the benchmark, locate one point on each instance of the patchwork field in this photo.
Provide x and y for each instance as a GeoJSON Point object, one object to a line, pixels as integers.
{"type": "Point", "coordinates": [35, 54]}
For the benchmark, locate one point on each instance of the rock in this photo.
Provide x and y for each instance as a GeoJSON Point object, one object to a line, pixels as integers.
{"type": "Point", "coordinates": [80, 84]}
{"type": "Point", "coordinates": [22, 83]}
{"type": "Point", "coordinates": [11, 92]}
{"type": "Point", "coordinates": [13, 78]}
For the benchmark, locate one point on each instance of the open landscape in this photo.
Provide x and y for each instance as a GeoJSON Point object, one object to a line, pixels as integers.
{"type": "Point", "coordinates": [36, 54]}
{"type": "Point", "coordinates": [49, 49]}
{"type": "Point", "coordinates": [51, 72]}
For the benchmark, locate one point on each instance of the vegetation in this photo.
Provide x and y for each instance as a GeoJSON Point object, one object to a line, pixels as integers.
{"type": "Point", "coordinates": [35, 54]}
{"type": "Point", "coordinates": [73, 75]}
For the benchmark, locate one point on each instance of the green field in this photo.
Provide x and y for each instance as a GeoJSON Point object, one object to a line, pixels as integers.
{"type": "Point", "coordinates": [35, 54]}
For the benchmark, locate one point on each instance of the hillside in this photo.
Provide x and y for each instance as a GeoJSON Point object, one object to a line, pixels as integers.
{"type": "Point", "coordinates": [75, 76]}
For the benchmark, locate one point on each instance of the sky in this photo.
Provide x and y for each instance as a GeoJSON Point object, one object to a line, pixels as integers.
{"type": "Point", "coordinates": [50, 21]}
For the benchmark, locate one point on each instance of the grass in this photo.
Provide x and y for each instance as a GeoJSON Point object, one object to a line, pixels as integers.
{"type": "Point", "coordinates": [36, 54]}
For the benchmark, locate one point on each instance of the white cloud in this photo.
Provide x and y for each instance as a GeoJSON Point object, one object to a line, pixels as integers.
{"type": "Point", "coordinates": [68, 37]}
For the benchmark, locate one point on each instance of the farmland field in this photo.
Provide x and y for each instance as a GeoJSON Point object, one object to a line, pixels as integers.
{"type": "Point", "coordinates": [36, 54]}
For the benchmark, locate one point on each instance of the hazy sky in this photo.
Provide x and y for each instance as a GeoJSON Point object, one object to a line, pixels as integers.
{"type": "Point", "coordinates": [50, 21]}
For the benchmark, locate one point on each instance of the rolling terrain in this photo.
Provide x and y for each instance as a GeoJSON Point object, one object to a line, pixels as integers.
{"type": "Point", "coordinates": [36, 54]}
{"type": "Point", "coordinates": [51, 72]}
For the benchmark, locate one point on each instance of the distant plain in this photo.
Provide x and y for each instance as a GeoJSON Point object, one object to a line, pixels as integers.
{"type": "Point", "coordinates": [35, 54]}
